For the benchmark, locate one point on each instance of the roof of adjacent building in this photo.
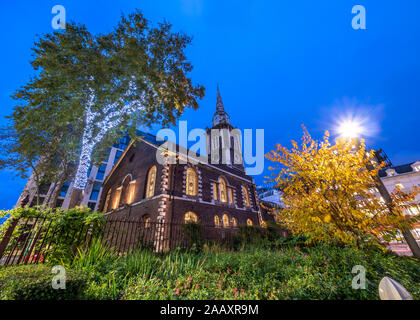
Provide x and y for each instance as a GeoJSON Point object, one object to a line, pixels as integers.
{"type": "Point", "coordinates": [404, 168]}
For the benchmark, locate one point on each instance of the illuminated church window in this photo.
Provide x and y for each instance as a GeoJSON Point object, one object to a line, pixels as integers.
{"type": "Point", "coordinates": [192, 182]}
{"type": "Point", "coordinates": [151, 181]}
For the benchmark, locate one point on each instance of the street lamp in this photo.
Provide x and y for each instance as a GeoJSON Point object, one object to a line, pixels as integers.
{"type": "Point", "coordinates": [350, 129]}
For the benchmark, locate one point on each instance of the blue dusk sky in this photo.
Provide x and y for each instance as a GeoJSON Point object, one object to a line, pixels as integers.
{"type": "Point", "coordinates": [279, 64]}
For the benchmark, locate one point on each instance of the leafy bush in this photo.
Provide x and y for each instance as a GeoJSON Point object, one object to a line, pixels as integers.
{"type": "Point", "coordinates": [320, 272]}
{"type": "Point", "coordinates": [195, 239]}
{"type": "Point", "coordinates": [291, 271]}
{"type": "Point", "coordinates": [34, 282]}
{"type": "Point", "coordinates": [64, 229]}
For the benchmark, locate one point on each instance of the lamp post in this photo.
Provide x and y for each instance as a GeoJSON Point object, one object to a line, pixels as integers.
{"type": "Point", "coordinates": [353, 130]}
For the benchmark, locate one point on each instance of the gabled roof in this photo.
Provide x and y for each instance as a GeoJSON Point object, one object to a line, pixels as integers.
{"type": "Point", "coordinates": [180, 150]}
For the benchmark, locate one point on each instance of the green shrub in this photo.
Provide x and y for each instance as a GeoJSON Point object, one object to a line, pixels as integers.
{"type": "Point", "coordinates": [194, 238]}
{"type": "Point", "coordinates": [34, 282]}
{"type": "Point", "coordinates": [319, 272]}
{"type": "Point", "coordinates": [65, 229]}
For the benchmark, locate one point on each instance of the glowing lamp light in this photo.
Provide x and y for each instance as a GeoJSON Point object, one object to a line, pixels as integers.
{"type": "Point", "coordinates": [350, 129]}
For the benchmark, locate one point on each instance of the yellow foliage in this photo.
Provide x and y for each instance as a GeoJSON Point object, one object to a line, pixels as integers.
{"type": "Point", "coordinates": [329, 192]}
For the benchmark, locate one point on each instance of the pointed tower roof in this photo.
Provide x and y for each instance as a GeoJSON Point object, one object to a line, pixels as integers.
{"type": "Point", "coordinates": [220, 108]}
{"type": "Point", "coordinates": [221, 118]}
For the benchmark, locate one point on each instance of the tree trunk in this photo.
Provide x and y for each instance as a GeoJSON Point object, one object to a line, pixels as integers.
{"type": "Point", "coordinates": [56, 191]}
{"type": "Point", "coordinates": [76, 198]}
{"type": "Point", "coordinates": [408, 236]}
{"type": "Point", "coordinates": [411, 242]}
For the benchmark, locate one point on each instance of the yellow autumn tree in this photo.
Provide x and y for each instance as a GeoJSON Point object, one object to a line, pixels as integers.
{"type": "Point", "coordinates": [329, 192]}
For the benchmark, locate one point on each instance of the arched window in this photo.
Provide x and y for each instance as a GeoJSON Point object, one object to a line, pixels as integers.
{"type": "Point", "coordinates": [190, 217]}
{"type": "Point", "coordinates": [145, 219]}
{"type": "Point", "coordinates": [231, 199]}
{"type": "Point", "coordinates": [225, 219]}
{"type": "Point", "coordinates": [125, 189]}
{"type": "Point", "coordinates": [217, 221]}
{"type": "Point", "coordinates": [192, 182]}
{"type": "Point", "coordinates": [117, 198]}
{"type": "Point", "coordinates": [106, 205]}
{"type": "Point", "coordinates": [249, 222]}
{"type": "Point", "coordinates": [151, 181]}
{"type": "Point", "coordinates": [223, 190]}
{"type": "Point", "coordinates": [234, 222]}
{"type": "Point", "coordinates": [215, 192]}
{"type": "Point", "coordinates": [131, 190]}
{"type": "Point", "coordinates": [246, 196]}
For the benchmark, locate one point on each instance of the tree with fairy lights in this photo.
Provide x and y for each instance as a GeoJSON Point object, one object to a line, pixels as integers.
{"type": "Point", "coordinates": [88, 89]}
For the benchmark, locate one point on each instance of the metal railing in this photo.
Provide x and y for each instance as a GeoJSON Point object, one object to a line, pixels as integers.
{"type": "Point", "coordinates": [37, 240]}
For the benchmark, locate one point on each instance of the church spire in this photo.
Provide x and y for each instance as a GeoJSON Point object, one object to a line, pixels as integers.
{"type": "Point", "coordinates": [220, 118]}
{"type": "Point", "coordinates": [219, 104]}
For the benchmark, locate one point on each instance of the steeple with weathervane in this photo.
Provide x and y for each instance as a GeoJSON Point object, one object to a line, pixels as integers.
{"type": "Point", "coordinates": [221, 119]}
{"type": "Point", "coordinates": [223, 140]}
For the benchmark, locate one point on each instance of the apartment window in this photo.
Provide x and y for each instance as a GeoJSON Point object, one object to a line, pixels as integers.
{"type": "Point", "coordinates": [44, 187]}
{"type": "Point", "coordinates": [192, 182]}
{"type": "Point", "coordinates": [123, 143]}
{"type": "Point", "coordinates": [217, 221]}
{"type": "Point", "coordinates": [91, 205]}
{"type": "Point", "coordinates": [223, 190]}
{"type": "Point", "coordinates": [101, 172]}
{"type": "Point", "coordinates": [246, 196]}
{"type": "Point", "coordinates": [399, 186]}
{"type": "Point", "coordinates": [95, 191]}
{"type": "Point", "coordinates": [59, 203]}
{"type": "Point", "coordinates": [190, 217]}
{"type": "Point", "coordinates": [151, 181]}
{"type": "Point", "coordinates": [249, 222]}
{"type": "Point", "coordinates": [64, 189]}
{"type": "Point", "coordinates": [117, 156]}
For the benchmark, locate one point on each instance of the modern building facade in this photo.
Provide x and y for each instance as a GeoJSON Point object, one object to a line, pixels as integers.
{"type": "Point", "coordinates": [269, 194]}
{"type": "Point", "coordinates": [404, 176]}
{"type": "Point", "coordinates": [92, 193]}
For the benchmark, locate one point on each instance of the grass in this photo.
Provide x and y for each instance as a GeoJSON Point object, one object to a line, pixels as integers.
{"type": "Point", "coordinates": [319, 272]}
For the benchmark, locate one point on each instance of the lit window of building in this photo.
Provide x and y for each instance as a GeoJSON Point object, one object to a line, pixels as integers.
{"type": "Point", "coordinates": [223, 190]}
{"type": "Point", "coordinates": [231, 199]}
{"type": "Point", "coordinates": [192, 182]}
{"type": "Point", "coordinates": [117, 198]}
{"type": "Point", "coordinates": [226, 223]}
{"type": "Point", "coordinates": [215, 192]}
{"type": "Point", "coordinates": [234, 222]}
{"type": "Point", "coordinates": [190, 217]}
{"type": "Point", "coordinates": [151, 181]}
{"type": "Point", "coordinates": [246, 196]}
{"type": "Point", "coordinates": [217, 221]}
{"type": "Point", "coordinates": [131, 191]}
{"type": "Point", "coordinates": [146, 221]}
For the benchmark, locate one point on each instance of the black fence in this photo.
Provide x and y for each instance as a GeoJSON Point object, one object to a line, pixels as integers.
{"type": "Point", "coordinates": [37, 240]}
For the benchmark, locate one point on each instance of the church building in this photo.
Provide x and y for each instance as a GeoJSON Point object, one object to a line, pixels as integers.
{"type": "Point", "coordinates": [218, 194]}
